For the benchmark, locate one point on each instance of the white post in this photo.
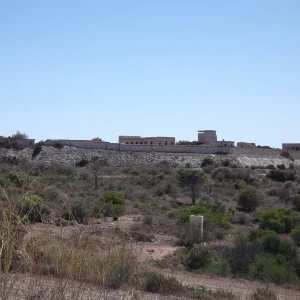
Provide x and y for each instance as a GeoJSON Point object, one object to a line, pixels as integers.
{"type": "Point", "coordinates": [197, 223]}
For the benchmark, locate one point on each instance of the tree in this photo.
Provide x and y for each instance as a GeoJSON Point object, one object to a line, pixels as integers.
{"type": "Point", "coordinates": [97, 139]}
{"type": "Point", "coordinates": [249, 199]}
{"type": "Point", "coordinates": [96, 165]}
{"type": "Point", "coordinates": [19, 135]}
{"type": "Point", "coordinates": [193, 180]}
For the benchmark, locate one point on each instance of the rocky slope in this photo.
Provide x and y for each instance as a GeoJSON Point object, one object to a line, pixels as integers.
{"type": "Point", "coordinates": [70, 155]}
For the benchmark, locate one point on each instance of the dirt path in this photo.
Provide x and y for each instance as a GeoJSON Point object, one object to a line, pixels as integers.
{"type": "Point", "coordinates": [242, 288]}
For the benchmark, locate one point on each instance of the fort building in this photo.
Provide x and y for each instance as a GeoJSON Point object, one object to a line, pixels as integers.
{"type": "Point", "coordinates": [138, 140]}
{"type": "Point", "coordinates": [208, 137]}
{"type": "Point", "coordinates": [291, 146]}
{"type": "Point", "coordinates": [246, 145]}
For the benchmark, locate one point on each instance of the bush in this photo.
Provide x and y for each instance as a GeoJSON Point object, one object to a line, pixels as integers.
{"type": "Point", "coordinates": [263, 294]}
{"type": "Point", "coordinates": [296, 202]}
{"type": "Point", "coordinates": [78, 212]}
{"type": "Point", "coordinates": [271, 268]}
{"type": "Point", "coordinates": [295, 235]}
{"type": "Point", "coordinates": [281, 175]}
{"type": "Point", "coordinates": [220, 268]}
{"type": "Point", "coordinates": [157, 283]}
{"type": "Point", "coordinates": [281, 167]}
{"type": "Point", "coordinates": [82, 163]}
{"type": "Point", "coordinates": [241, 255]}
{"type": "Point", "coordinates": [36, 151]}
{"type": "Point", "coordinates": [248, 199]}
{"type": "Point", "coordinates": [200, 256]}
{"type": "Point", "coordinates": [280, 220]}
{"type": "Point", "coordinates": [268, 239]}
{"type": "Point", "coordinates": [33, 209]}
{"type": "Point", "coordinates": [207, 161]}
{"type": "Point", "coordinates": [287, 155]}
{"type": "Point", "coordinates": [110, 204]}
{"type": "Point", "coordinates": [200, 209]}
{"type": "Point", "coordinates": [239, 184]}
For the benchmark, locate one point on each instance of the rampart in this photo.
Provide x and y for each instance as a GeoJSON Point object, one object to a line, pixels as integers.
{"type": "Point", "coordinates": [192, 149]}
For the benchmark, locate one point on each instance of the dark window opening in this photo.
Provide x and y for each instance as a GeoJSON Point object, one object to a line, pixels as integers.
{"type": "Point", "coordinates": [126, 143]}
{"type": "Point", "coordinates": [159, 143]}
{"type": "Point", "coordinates": [141, 142]}
{"type": "Point", "coordinates": [172, 143]}
{"type": "Point", "coordinates": [131, 143]}
{"type": "Point", "coordinates": [145, 143]}
{"type": "Point", "coordinates": [166, 143]}
{"type": "Point", "coordinates": [136, 142]}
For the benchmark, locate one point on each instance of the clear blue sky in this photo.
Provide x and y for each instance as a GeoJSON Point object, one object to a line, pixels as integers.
{"type": "Point", "coordinates": [81, 69]}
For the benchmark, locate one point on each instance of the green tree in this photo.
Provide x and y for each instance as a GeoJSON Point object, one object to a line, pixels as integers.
{"type": "Point", "coordinates": [248, 199]}
{"type": "Point", "coordinates": [193, 180]}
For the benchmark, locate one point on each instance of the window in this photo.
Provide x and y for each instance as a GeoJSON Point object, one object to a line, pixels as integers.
{"type": "Point", "coordinates": [166, 143]}
{"type": "Point", "coordinates": [131, 143]}
{"type": "Point", "coordinates": [126, 143]}
{"type": "Point", "coordinates": [159, 143]}
{"type": "Point", "coordinates": [145, 143]}
{"type": "Point", "coordinates": [172, 143]}
{"type": "Point", "coordinates": [151, 143]}
{"type": "Point", "coordinates": [141, 142]}
{"type": "Point", "coordinates": [136, 142]}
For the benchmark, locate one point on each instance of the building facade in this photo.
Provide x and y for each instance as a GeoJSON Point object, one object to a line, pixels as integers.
{"type": "Point", "coordinates": [291, 146]}
{"type": "Point", "coordinates": [246, 145]}
{"type": "Point", "coordinates": [207, 137]}
{"type": "Point", "coordinates": [138, 140]}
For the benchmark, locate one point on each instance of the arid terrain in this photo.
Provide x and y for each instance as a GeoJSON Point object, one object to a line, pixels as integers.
{"type": "Point", "coordinates": [95, 225]}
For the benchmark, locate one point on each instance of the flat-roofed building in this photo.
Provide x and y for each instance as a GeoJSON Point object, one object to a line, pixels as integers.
{"type": "Point", "coordinates": [138, 140]}
{"type": "Point", "coordinates": [246, 145]}
{"type": "Point", "coordinates": [291, 146]}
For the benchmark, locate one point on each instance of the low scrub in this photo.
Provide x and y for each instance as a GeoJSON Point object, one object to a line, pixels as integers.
{"type": "Point", "coordinates": [280, 220]}
{"type": "Point", "coordinates": [200, 209]}
{"type": "Point", "coordinates": [33, 209]}
{"type": "Point", "coordinates": [295, 235]}
{"type": "Point", "coordinates": [263, 294]}
{"type": "Point", "coordinates": [281, 175]}
{"type": "Point", "coordinates": [249, 199]}
{"type": "Point", "coordinates": [272, 268]}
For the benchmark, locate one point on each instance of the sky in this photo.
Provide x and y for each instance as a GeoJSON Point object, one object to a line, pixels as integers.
{"type": "Point", "coordinates": [94, 68]}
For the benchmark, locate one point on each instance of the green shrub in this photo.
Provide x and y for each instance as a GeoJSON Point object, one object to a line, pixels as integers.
{"type": "Point", "coordinates": [281, 175]}
{"type": "Point", "coordinates": [207, 161]}
{"type": "Point", "coordinates": [36, 150]}
{"type": "Point", "coordinates": [268, 239]}
{"type": "Point", "coordinates": [82, 163]}
{"type": "Point", "coordinates": [110, 204]}
{"type": "Point", "coordinates": [263, 294]}
{"type": "Point", "coordinates": [296, 202]}
{"type": "Point", "coordinates": [33, 209]}
{"type": "Point", "coordinates": [249, 199]}
{"type": "Point", "coordinates": [200, 209]}
{"type": "Point", "coordinates": [220, 268]}
{"type": "Point", "coordinates": [239, 184]}
{"type": "Point", "coordinates": [78, 212]}
{"type": "Point", "coordinates": [280, 220]}
{"type": "Point", "coordinates": [200, 256]}
{"type": "Point", "coordinates": [270, 268]}
{"type": "Point", "coordinates": [295, 235]}
{"type": "Point", "coordinates": [242, 254]}
{"type": "Point", "coordinates": [18, 179]}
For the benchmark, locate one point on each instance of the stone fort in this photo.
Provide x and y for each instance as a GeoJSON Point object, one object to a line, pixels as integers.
{"type": "Point", "coordinates": [207, 143]}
